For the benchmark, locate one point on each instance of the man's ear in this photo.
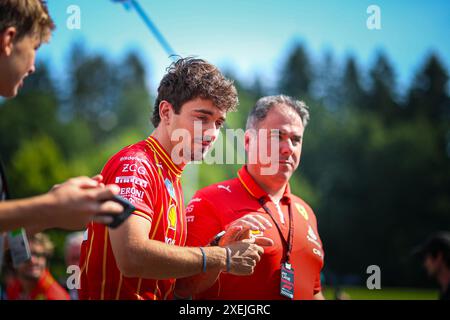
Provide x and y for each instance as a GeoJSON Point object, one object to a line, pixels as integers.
{"type": "Point", "coordinates": [247, 139]}
{"type": "Point", "coordinates": [165, 112]}
{"type": "Point", "coordinates": [7, 38]}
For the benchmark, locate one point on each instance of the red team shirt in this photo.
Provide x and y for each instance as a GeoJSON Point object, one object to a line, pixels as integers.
{"type": "Point", "coordinates": [46, 289]}
{"type": "Point", "coordinates": [149, 179]}
{"type": "Point", "coordinates": [214, 207]}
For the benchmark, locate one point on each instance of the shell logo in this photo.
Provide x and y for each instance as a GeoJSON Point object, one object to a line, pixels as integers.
{"type": "Point", "coordinates": [172, 217]}
{"type": "Point", "coordinates": [302, 211]}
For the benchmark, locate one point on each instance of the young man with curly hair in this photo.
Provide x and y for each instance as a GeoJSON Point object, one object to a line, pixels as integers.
{"type": "Point", "coordinates": [142, 258]}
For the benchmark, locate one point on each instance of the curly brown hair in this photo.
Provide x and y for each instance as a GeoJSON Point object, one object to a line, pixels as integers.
{"type": "Point", "coordinates": [190, 78]}
{"type": "Point", "coordinates": [29, 17]}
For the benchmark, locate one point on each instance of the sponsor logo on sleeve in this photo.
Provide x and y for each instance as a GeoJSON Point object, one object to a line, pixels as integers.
{"type": "Point", "coordinates": [130, 158]}
{"type": "Point", "coordinates": [132, 194]}
{"type": "Point", "coordinates": [133, 167]}
{"type": "Point", "coordinates": [133, 180]}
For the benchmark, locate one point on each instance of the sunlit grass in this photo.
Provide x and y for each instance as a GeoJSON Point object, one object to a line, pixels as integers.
{"type": "Point", "coordinates": [360, 293]}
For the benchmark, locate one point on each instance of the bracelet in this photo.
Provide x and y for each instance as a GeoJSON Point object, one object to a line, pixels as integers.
{"type": "Point", "coordinates": [228, 259]}
{"type": "Point", "coordinates": [204, 260]}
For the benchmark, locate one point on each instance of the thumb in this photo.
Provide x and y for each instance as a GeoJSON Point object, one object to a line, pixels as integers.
{"type": "Point", "coordinates": [231, 235]}
{"type": "Point", "coordinates": [250, 240]}
{"type": "Point", "coordinates": [263, 241]}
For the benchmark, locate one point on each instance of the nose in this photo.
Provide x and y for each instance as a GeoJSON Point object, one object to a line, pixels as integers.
{"type": "Point", "coordinates": [286, 148]}
{"type": "Point", "coordinates": [210, 130]}
{"type": "Point", "coordinates": [210, 134]}
{"type": "Point", "coordinates": [32, 69]}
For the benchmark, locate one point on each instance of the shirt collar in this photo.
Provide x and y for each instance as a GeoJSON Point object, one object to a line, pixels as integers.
{"type": "Point", "coordinates": [255, 190]}
{"type": "Point", "coordinates": [163, 155]}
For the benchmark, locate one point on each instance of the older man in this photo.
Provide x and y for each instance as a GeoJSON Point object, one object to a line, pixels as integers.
{"type": "Point", "coordinates": [259, 202]}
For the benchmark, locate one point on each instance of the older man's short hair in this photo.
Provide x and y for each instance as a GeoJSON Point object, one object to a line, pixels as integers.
{"type": "Point", "coordinates": [265, 104]}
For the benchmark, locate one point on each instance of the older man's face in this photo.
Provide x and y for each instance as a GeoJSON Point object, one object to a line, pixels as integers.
{"type": "Point", "coordinates": [282, 143]}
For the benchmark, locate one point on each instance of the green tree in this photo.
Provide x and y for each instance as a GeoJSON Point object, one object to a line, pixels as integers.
{"type": "Point", "coordinates": [36, 166]}
{"type": "Point", "coordinates": [296, 74]}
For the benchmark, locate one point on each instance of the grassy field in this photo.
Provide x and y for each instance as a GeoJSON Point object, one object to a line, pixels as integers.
{"type": "Point", "coordinates": [361, 293]}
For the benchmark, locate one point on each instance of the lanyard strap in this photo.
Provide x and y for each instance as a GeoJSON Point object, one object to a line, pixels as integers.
{"type": "Point", "coordinates": [290, 241]}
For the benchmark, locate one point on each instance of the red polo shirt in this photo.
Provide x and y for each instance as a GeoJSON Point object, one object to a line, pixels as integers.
{"type": "Point", "coordinates": [214, 207]}
{"type": "Point", "coordinates": [46, 289]}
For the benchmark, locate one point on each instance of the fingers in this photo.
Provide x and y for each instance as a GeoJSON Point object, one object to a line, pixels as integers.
{"type": "Point", "coordinates": [259, 221]}
{"type": "Point", "coordinates": [260, 251]}
{"type": "Point", "coordinates": [263, 241]}
{"type": "Point", "coordinates": [86, 182]}
{"type": "Point", "coordinates": [110, 207]}
{"type": "Point", "coordinates": [244, 234]}
{"type": "Point", "coordinates": [232, 234]}
{"type": "Point", "coordinates": [83, 182]}
{"type": "Point", "coordinates": [102, 219]}
{"type": "Point", "coordinates": [254, 222]}
{"type": "Point", "coordinates": [106, 193]}
{"type": "Point", "coordinates": [56, 186]}
{"type": "Point", "coordinates": [98, 178]}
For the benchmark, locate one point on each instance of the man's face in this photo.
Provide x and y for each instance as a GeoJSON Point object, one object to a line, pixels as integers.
{"type": "Point", "coordinates": [194, 129]}
{"type": "Point", "coordinates": [73, 253]}
{"type": "Point", "coordinates": [433, 264]}
{"type": "Point", "coordinates": [33, 268]}
{"type": "Point", "coordinates": [279, 144]}
{"type": "Point", "coordinates": [16, 62]}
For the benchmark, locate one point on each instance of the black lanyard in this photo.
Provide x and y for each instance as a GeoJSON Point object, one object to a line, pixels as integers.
{"type": "Point", "coordinates": [290, 241]}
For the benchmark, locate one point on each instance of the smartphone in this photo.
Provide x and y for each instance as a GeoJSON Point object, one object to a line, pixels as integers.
{"type": "Point", "coordinates": [19, 247]}
{"type": "Point", "coordinates": [128, 209]}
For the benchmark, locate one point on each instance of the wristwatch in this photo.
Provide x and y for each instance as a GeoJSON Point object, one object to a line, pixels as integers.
{"type": "Point", "coordinates": [216, 239]}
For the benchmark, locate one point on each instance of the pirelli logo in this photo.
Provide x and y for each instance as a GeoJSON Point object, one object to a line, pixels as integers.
{"type": "Point", "coordinates": [132, 179]}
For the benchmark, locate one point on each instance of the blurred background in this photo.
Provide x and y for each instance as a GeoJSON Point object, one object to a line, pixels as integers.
{"type": "Point", "coordinates": [375, 165]}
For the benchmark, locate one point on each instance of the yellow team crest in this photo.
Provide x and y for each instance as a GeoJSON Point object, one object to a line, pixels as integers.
{"type": "Point", "coordinates": [172, 217]}
{"type": "Point", "coordinates": [302, 210]}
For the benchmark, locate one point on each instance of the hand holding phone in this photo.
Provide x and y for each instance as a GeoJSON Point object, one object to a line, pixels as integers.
{"type": "Point", "coordinates": [118, 219]}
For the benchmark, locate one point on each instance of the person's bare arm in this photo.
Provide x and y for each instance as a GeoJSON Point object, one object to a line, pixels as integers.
{"type": "Point", "coordinates": [71, 205]}
{"type": "Point", "coordinates": [138, 256]}
{"type": "Point", "coordinates": [237, 231]}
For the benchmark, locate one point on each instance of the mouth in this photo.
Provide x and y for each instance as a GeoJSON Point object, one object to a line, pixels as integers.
{"type": "Point", "coordinates": [205, 142]}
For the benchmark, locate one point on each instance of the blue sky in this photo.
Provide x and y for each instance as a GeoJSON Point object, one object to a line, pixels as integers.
{"type": "Point", "coordinates": [253, 36]}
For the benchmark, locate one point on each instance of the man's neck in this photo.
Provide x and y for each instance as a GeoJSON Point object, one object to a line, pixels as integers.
{"type": "Point", "coordinates": [164, 140]}
{"type": "Point", "coordinates": [275, 189]}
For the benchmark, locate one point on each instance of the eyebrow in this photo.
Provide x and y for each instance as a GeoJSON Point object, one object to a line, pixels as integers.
{"type": "Point", "coordinates": [208, 112]}
{"type": "Point", "coordinates": [282, 132]}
